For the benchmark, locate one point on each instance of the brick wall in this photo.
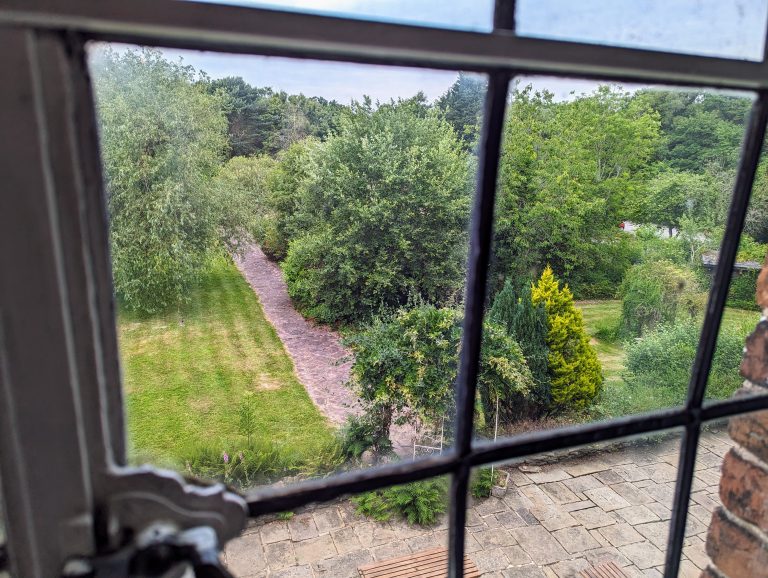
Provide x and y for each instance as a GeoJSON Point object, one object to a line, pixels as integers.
{"type": "Point", "coordinates": [737, 542]}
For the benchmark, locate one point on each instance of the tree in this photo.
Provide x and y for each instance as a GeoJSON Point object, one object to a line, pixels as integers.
{"type": "Point", "coordinates": [658, 292]}
{"type": "Point", "coordinates": [672, 195]}
{"type": "Point", "coordinates": [462, 105]}
{"type": "Point", "coordinates": [574, 369]}
{"type": "Point", "coordinates": [526, 323]}
{"type": "Point", "coordinates": [405, 367]}
{"type": "Point", "coordinates": [163, 138]}
{"type": "Point", "coordinates": [700, 128]}
{"type": "Point", "coordinates": [384, 215]}
{"type": "Point", "coordinates": [569, 172]}
{"type": "Point", "coordinates": [242, 186]}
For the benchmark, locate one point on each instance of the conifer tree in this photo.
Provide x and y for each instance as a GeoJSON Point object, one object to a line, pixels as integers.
{"type": "Point", "coordinates": [526, 323]}
{"type": "Point", "coordinates": [575, 372]}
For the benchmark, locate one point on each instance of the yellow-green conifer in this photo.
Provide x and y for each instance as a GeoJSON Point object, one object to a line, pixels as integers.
{"type": "Point", "coordinates": [573, 365]}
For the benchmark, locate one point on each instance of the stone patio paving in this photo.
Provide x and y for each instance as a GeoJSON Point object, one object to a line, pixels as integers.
{"type": "Point", "coordinates": [553, 521]}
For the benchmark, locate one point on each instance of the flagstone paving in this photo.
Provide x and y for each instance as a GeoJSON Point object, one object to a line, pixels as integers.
{"type": "Point", "coordinates": [552, 522]}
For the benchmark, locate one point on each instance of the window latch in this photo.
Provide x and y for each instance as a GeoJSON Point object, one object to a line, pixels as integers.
{"type": "Point", "coordinates": [160, 551]}
{"type": "Point", "coordinates": [156, 524]}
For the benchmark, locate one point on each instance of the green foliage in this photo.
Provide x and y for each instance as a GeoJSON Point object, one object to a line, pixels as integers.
{"type": "Point", "coordinates": [575, 372]}
{"type": "Point", "coordinates": [255, 462]}
{"type": "Point", "coordinates": [163, 137]}
{"type": "Point", "coordinates": [283, 218]}
{"type": "Point", "coordinates": [384, 214]}
{"type": "Point", "coordinates": [418, 502]}
{"type": "Point", "coordinates": [526, 323]}
{"type": "Point", "coordinates": [482, 482]}
{"type": "Point", "coordinates": [741, 293]}
{"type": "Point", "coordinates": [462, 105]}
{"type": "Point", "coordinates": [658, 292]}
{"type": "Point", "coordinates": [569, 172]}
{"type": "Point", "coordinates": [661, 362]}
{"type": "Point", "coordinates": [701, 128]}
{"type": "Point", "coordinates": [243, 186]}
{"type": "Point", "coordinates": [406, 367]}
{"type": "Point", "coordinates": [263, 121]}
{"type": "Point", "coordinates": [672, 195]}
{"type": "Point", "coordinates": [360, 434]}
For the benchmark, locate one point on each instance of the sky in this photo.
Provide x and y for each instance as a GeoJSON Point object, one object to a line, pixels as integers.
{"type": "Point", "coordinates": [727, 28]}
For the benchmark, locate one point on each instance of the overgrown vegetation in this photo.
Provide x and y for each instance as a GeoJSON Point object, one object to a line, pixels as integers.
{"type": "Point", "coordinates": [418, 502]}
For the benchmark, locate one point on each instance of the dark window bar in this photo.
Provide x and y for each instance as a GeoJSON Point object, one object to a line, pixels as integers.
{"type": "Point", "coordinates": [304, 36]}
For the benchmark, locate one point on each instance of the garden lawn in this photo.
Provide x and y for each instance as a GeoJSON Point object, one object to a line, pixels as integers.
{"type": "Point", "coordinates": [618, 399]}
{"type": "Point", "coordinates": [188, 373]}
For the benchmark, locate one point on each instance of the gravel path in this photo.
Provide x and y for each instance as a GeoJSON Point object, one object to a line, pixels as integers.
{"type": "Point", "coordinates": [316, 350]}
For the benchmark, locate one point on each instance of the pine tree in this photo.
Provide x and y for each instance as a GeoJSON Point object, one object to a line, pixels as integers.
{"type": "Point", "coordinates": [575, 372]}
{"type": "Point", "coordinates": [526, 323]}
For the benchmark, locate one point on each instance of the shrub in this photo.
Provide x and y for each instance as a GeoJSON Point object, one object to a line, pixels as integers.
{"type": "Point", "coordinates": [418, 502]}
{"type": "Point", "coordinates": [384, 215]}
{"type": "Point", "coordinates": [741, 293]}
{"type": "Point", "coordinates": [406, 367]}
{"type": "Point", "coordinates": [256, 462]}
{"type": "Point", "coordinates": [360, 434]}
{"type": "Point", "coordinates": [661, 362]}
{"type": "Point", "coordinates": [483, 481]}
{"type": "Point", "coordinates": [526, 323]}
{"type": "Point", "coordinates": [575, 372]}
{"type": "Point", "coordinates": [658, 292]}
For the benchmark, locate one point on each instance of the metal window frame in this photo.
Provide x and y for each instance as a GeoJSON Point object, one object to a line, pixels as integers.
{"type": "Point", "coordinates": [43, 42]}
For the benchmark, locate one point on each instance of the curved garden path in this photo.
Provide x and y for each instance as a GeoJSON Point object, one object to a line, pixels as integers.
{"type": "Point", "coordinates": [316, 350]}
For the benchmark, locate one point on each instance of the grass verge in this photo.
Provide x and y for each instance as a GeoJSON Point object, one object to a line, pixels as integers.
{"type": "Point", "coordinates": [214, 377]}
{"type": "Point", "coordinates": [618, 398]}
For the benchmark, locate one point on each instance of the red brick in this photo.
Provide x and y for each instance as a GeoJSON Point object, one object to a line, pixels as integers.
{"type": "Point", "coordinates": [761, 294]}
{"type": "Point", "coordinates": [738, 549]}
{"type": "Point", "coordinates": [750, 430]}
{"type": "Point", "coordinates": [710, 572]}
{"type": "Point", "coordinates": [754, 365]}
{"type": "Point", "coordinates": [744, 487]}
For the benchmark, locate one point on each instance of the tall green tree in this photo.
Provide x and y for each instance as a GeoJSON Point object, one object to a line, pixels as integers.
{"type": "Point", "coordinates": [384, 215]}
{"type": "Point", "coordinates": [526, 323]}
{"type": "Point", "coordinates": [575, 372]}
{"type": "Point", "coordinates": [569, 173]}
{"type": "Point", "coordinates": [462, 105]}
{"type": "Point", "coordinates": [163, 139]}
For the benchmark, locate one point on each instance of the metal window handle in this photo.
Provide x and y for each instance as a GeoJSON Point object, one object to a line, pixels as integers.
{"type": "Point", "coordinates": [158, 552]}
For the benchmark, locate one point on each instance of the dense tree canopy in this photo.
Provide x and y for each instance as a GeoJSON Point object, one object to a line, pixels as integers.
{"type": "Point", "coordinates": [569, 171]}
{"type": "Point", "coordinates": [462, 106]}
{"type": "Point", "coordinates": [264, 121]}
{"type": "Point", "coordinates": [163, 138]}
{"type": "Point", "coordinates": [384, 212]}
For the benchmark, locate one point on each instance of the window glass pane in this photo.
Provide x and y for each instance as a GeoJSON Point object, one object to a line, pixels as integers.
{"type": "Point", "coordinates": [561, 513]}
{"type": "Point", "coordinates": [615, 193]}
{"type": "Point", "coordinates": [742, 314]}
{"type": "Point", "coordinates": [288, 256]}
{"type": "Point", "coordinates": [705, 27]}
{"type": "Point", "coordinates": [461, 14]}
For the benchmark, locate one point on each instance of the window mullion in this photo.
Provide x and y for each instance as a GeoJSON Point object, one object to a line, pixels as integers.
{"type": "Point", "coordinates": [479, 256]}
{"type": "Point", "coordinates": [750, 157]}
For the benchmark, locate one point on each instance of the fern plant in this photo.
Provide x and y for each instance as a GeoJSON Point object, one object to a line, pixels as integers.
{"type": "Point", "coordinates": [418, 502]}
